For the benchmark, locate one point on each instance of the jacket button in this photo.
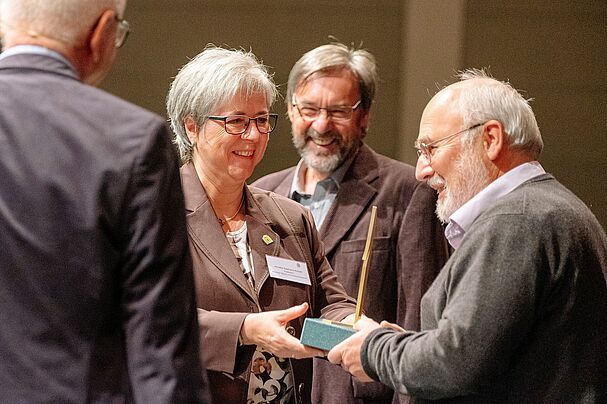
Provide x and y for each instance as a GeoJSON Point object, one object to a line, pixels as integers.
{"type": "Point", "coordinates": [290, 330]}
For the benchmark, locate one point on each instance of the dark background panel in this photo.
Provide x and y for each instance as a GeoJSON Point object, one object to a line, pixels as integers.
{"type": "Point", "coordinates": [556, 51]}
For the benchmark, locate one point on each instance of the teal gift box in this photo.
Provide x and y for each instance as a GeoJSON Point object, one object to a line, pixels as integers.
{"type": "Point", "coordinates": [324, 334]}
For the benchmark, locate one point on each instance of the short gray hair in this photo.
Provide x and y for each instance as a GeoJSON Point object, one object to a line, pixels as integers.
{"type": "Point", "coordinates": [67, 21]}
{"type": "Point", "coordinates": [489, 98]}
{"type": "Point", "coordinates": [210, 80]}
{"type": "Point", "coordinates": [332, 57]}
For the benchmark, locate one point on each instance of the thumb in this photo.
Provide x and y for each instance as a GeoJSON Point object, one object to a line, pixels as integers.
{"type": "Point", "coordinates": [292, 312]}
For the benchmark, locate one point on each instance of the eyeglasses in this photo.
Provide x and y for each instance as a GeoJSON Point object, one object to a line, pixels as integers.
{"type": "Point", "coordinates": [426, 150]}
{"type": "Point", "coordinates": [238, 124]}
{"type": "Point", "coordinates": [337, 113]}
{"type": "Point", "coordinates": [122, 32]}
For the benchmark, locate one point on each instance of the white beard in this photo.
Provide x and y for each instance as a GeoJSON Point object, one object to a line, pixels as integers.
{"type": "Point", "coordinates": [472, 177]}
{"type": "Point", "coordinates": [326, 162]}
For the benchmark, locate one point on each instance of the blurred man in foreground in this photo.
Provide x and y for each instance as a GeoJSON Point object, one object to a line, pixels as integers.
{"type": "Point", "coordinates": [96, 295]}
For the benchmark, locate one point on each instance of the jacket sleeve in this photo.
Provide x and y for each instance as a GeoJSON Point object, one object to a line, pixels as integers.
{"type": "Point", "coordinates": [157, 288]}
{"type": "Point", "coordinates": [219, 332]}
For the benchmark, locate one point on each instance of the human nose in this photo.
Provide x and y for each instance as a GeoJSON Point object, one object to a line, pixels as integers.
{"type": "Point", "coordinates": [252, 132]}
{"type": "Point", "coordinates": [423, 169]}
{"type": "Point", "coordinates": [323, 121]}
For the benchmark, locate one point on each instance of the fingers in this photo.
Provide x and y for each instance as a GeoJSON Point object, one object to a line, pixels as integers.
{"type": "Point", "coordinates": [347, 355]}
{"type": "Point", "coordinates": [335, 355]}
{"type": "Point", "coordinates": [386, 324]}
{"type": "Point", "coordinates": [291, 313]}
{"type": "Point", "coordinates": [366, 323]}
{"type": "Point", "coordinates": [307, 352]}
{"type": "Point", "coordinates": [349, 319]}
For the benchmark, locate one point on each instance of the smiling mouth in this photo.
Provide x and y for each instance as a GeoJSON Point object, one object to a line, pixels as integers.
{"type": "Point", "coordinates": [244, 153]}
{"type": "Point", "coordinates": [322, 142]}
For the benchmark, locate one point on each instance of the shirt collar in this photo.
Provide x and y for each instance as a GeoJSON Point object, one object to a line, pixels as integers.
{"type": "Point", "coordinates": [461, 220]}
{"type": "Point", "coordinates": [36, 50]}
{"type": "Point", "coordinates": [337, 175]}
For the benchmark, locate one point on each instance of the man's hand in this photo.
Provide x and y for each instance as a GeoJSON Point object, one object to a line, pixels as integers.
{"type": "Point", "coordinates": [395, 327]}
{"type": "Point", "coordinates": [270, 331]}
{"type": "Point", "coordinates": [347, 353]}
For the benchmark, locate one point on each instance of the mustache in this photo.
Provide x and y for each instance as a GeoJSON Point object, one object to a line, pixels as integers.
{"type": "Point", "coordinates": [313, 134]}
{"type": "Point", "coordinates": [436, 181]}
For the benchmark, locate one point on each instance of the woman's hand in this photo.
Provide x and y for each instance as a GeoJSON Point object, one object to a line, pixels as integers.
{"type": "Point", "coordinates": [268, 330]}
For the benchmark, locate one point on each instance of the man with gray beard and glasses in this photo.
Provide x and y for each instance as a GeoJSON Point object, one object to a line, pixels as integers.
{"type": "Point", "coordinates": [339, 178]}
{"type": "Point", "coordinates": [519, 312]}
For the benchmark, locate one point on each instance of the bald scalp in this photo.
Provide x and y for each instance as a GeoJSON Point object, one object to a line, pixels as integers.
{"type": "Point", "coordinates": [67, 21]}
{"type": "Point", "coordinates": [478, 97]}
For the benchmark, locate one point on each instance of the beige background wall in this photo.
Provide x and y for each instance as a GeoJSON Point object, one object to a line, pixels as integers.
{"type": "Point", "coordinates": [555, 50]}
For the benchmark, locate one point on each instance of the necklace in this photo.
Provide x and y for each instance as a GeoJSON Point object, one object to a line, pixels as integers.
{"type": "Point", "coordinates": [225, 220]}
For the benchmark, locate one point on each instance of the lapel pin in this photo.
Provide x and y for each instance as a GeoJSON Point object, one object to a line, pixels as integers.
{"type": "Point", "coordinates": [267, 239]}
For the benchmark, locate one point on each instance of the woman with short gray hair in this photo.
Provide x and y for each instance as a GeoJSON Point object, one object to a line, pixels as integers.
{"type": "Point", "coordinates": [250, 311]}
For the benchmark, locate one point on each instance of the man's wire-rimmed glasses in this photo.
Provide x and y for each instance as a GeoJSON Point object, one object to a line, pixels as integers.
{"type": "Point", "coordinates": [426, 150]}
{"type": "Point", "coordinates": [341, 113]}
{"type": "Point", "coordinates": [122, 32]}
{"type": "Point", "coordinates": [238, 124]}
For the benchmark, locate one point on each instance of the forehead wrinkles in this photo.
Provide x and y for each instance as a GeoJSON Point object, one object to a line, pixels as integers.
{"type": "Point", "coordinates": [440, 118]}
{"type": "Point", "coordinates": [334, 84]}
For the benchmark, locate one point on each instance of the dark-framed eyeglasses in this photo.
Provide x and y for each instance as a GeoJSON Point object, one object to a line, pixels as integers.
{"type": "Point", "coordinates": [122, 32]}
{"type": "Point", "coordinates": [238, 124]}
{"type": "Point", "coordinates": [339, 113]}
{"type": "Point", "coordinates": [426, 150]}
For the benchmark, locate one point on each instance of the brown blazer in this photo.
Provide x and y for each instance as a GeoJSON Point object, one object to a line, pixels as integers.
{"type": "Point", "coordinates": [409, 251]}
{"type": "Point", "coordinates": [224, 296]}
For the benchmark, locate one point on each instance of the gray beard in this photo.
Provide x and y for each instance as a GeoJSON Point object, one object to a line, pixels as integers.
{"type": "Point", "coordinates": [326, 163]}
{"type": "Point", "coordinates": [470, 167]}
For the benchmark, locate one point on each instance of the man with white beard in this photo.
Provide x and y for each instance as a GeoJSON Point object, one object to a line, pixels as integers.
{"type": "Point", "coordinates": [519, 312]}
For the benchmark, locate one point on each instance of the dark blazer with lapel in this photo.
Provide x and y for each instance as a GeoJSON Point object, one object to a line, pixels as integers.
{"type": "Point", "coordinates": [95, 276]}
{"type": "Point", "coordinates": [224, 296]}
{"type": "Point", "coordinates": [409, 250]}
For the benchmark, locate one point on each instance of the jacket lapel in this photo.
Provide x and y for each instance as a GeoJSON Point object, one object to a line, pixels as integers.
{"type": "Point", "coordinates": [205, 230]}
{"type": "Point", "coordinates": [354, 195]}
{"type": "Point", "coordinates": [284, 188]}
{"type": "Point", "coordinates": [262, 239]}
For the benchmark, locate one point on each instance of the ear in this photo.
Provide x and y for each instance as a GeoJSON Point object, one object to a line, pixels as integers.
{"type": "Point", "coordinates": [364, 122]}
{"type": "Point", "coordinates": [191, 128]}
{"type": "Point", "coordinates": [494, 139]}
{"type": "Point", "coordinates": [103, 36]}
{"type": "Point", "coordinates": [291, 112]}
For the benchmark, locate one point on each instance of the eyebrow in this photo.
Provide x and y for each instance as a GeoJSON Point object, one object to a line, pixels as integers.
{"type": "Point", "coordinates": [313, 104]}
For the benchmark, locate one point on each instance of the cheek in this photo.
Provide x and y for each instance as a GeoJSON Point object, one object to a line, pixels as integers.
{"type": "Point", "coordinates": [299, 127]}
{"type": "Point", "coordinates": [261, 148]}
{"type": "Point", "coordinates": [215, 138]}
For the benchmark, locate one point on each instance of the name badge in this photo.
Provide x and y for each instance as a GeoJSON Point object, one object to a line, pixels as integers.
{"type": "Point", "coordinates": [288, 270]}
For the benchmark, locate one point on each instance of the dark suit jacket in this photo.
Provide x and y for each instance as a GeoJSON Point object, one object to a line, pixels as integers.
{"type": "Point", "coordinates": [409, 249]}
{"type": "Point", "coordinates": [224, 296]}
{"type": "Point", "coordinates": [96, 287]}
